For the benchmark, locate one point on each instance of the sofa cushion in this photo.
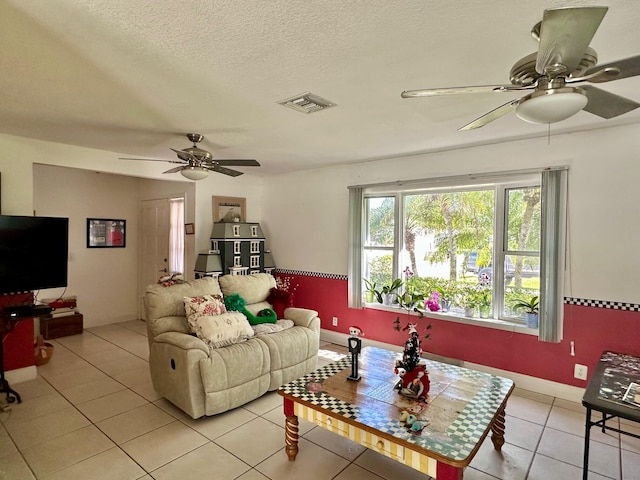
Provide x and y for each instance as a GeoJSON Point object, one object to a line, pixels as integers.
{"type": "Point", "coordinates": [222, 330]}
{"type": "Point", "coordinates": [162, 303]}
{"type": "Point", "coordinates": [253, 288]}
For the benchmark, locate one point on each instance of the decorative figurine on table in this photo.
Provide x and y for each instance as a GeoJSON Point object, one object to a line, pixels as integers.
{"type": "Point", "coordinates": [355, 345]}
{"type": "Point", "coordinates": [414, 378]}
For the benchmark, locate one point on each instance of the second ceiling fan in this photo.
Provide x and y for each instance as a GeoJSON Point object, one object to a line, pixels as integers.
{"type": "Point", "coordinates": [563, 59]}
{"type": "Point", "coordinates": [196, 163]}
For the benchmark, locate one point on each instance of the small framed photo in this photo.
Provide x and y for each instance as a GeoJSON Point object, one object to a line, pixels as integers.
{"type": "Point", "coordinates": [189, 228]}
{"type": "Point", "coordinates": [106, 233]}
{"type": "Point", "coordinates": [229, 209]}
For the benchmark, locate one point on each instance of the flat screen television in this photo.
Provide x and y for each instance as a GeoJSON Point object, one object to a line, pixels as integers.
{"type": "Point", "coordinates": [33, 253]}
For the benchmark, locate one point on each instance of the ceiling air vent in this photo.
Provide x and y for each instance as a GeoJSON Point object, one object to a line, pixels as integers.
{"type": "Point", "coordinates": [307, 103]}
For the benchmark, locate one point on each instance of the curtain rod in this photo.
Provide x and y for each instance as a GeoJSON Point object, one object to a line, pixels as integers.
{"type": "Point", "coordinates": [467, 176]}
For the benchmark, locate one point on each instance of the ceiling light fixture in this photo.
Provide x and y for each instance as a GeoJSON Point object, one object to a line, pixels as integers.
{"type": "Point", "coordinates": [194, 173]}
{"type": "Point", "coordinates": [552, 105]}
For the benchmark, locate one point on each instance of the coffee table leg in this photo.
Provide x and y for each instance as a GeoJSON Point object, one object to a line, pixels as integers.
{"type": "Point", "coordinates": [290, 430]}
{"type": "Point", "coordinates": [497, 430]}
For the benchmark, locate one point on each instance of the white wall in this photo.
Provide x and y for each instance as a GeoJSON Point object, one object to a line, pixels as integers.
{"type": "Point", "coordinates": [104, 279]}
{"type": "Point", "coordinates": [307, 211]}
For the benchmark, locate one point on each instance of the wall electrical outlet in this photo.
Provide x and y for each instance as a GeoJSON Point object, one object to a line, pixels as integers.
{"type": "Point", "coordinates": [334, 322]}
{"type": "Point", "coordinates": [580, 371]}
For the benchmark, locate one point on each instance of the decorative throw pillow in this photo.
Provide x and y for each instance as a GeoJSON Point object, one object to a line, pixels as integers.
{"type": "Point", "coordinates": [196, 307]}
{"type": "Point", "coordinates": [224, 329]}
{"type": "Point", "coordinates": [280, 299]}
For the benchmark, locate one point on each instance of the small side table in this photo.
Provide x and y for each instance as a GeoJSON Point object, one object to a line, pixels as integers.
{"type": "Point", "coordinates": [605, 392]}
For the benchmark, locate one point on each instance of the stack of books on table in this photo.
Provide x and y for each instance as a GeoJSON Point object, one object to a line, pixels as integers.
{"type": "Point", "coordinates": [64, 319]}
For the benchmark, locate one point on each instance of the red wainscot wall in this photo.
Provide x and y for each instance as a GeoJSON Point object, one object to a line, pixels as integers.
{"type": "Point", "coordinates": [593, 326]}
{"type": "Point", "coordinates": [18, 347]}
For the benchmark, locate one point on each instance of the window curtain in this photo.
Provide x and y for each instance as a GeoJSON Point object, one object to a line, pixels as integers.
{"type": "Point", "coordinates": [356, 197]}
{"type": "Point", "coordinates": [176, 235]}
{"type": "Point", "coordinates": [552, 265]}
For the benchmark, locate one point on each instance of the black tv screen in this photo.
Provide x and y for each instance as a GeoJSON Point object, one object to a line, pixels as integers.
{"type": "Point", "coordinates": [33, 253]}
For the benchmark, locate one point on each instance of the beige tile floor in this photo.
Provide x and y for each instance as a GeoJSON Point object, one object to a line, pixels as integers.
{"type": "Point", "coordinates": [92, 413]}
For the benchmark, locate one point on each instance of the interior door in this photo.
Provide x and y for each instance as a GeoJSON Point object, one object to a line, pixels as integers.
{"type": "Point", "coordinates": [154, 244]}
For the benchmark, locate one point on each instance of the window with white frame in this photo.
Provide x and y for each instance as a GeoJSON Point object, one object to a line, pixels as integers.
{"type": "Point", "coordinates": [255, 247]}
{"type": "Point", "coordinates": [255, 261]}
{"type": "Point", "coordinates": [463, 242]}
{"type": "Point", "coordinates": [237, 261]}
{"type": "Point", "coordinates": [237, 248]}
{"type": "Point", "coordinates": [236, 230]}
{"type": "Point", "coordinates": [254, 230]}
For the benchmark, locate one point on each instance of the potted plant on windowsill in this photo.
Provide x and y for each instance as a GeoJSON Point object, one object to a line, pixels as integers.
{"type": "Point", "coordinates": [484, 303]}
{"type": "Point", "coordinates": [390, 291]}
{"type": "Point", "coordinates": [530, 307]}
{"type": "Point", "coordinates": [371, 294]}
{"type": "Point", "coordinates": [468, 299]}
{"type": "Point", "coordinates": [448, 292]}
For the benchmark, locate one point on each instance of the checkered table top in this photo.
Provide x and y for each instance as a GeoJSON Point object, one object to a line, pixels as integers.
{"type": "Point", "coordinates": [478, 405]}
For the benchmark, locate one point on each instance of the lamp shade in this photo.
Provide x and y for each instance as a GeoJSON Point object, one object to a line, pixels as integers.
{"type": "Point", "coordinates": [549, 106]}
{"type": "Point", "coordinates": [194, 173]}
{"type": "Point", "coordinates": [208, 263]}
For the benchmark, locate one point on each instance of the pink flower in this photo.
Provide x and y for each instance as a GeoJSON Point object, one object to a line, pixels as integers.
{"type": "Point", "coordinates": [432, 306]}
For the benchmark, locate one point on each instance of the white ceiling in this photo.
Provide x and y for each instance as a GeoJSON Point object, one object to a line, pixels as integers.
{"type": "Point", "coordinates": [133, 76]}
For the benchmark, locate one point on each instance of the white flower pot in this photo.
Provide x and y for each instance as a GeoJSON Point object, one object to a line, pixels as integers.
{"type": "Point", "coordinates": [532, 320]}
{"type": "Point", "coordinates": [469, 311]}
{"type": "Point", "coordinates": [387, 298]}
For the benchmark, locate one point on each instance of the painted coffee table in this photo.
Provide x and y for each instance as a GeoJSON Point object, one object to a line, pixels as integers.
{"type": "Point", "coordinates": [463, 405]}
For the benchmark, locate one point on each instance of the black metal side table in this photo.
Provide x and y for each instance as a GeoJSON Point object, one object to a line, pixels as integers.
{"type": "Point", "coordinates": [607, 394]}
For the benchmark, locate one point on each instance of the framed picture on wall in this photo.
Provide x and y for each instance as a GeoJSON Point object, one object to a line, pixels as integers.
{"type": "Point", "coordinates": [229, 209]}
{"type": "Point", "coordinates": [106, 233]}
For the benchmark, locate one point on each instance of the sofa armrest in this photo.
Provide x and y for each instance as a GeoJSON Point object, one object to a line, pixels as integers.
{"type": "Point", "coordinates": [300, 316]}
{"type": "Point", "coordinates": [183, 341]}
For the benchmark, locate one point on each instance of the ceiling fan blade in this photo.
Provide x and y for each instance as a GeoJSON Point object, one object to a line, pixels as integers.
{"type": "Point", "coordinates": [223, 170]}
{"type": "Point", "coordinates": [182, 155]}
{"type": "Point", "coordinates": [494, 114]}
{"type": "Point", "coordinates": [174, 170]}
{"type": "Point", "coordinates": [149, 160]}
{"type": "Point", "coordinates": [238, 162]}
{"type": "Point", "coordinates": [565, 34]}
{"type": "Point", "coordinates": [606, 104]}
{"type": "Point", "coordinates": [434, 92]}
{"type": "Point", "coordinates": [629, 67]}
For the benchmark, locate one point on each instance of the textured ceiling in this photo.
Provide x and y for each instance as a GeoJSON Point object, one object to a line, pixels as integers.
{"type": "Point", "coordinates": [133, 76]}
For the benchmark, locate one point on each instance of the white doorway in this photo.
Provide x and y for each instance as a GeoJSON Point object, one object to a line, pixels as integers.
{"type": "Point", "coordinates": [161, 241]}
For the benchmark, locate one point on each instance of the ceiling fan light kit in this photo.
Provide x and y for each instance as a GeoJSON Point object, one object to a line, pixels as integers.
{"type": "Point", "coordinates": [194, 173]}
{"type": "Point", "coordinates": [563, 57]}
{"type": "Point", "coordinates": [550, 106]}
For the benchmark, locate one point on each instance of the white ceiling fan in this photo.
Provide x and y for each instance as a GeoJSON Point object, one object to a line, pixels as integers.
{"type": "Point", "coordinates": [563, 60]}
{"type": "Point", "coordinates": [196, 163]}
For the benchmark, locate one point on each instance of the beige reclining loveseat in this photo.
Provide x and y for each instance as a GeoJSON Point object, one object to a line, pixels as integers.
{"type": "Point", "coordinates": [201, 380]}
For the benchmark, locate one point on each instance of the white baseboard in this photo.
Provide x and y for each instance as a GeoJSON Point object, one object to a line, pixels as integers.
{"type": "Point", "coordinates": [526, 382]}
{"type": "Point", "coordinates": [21, 375]}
